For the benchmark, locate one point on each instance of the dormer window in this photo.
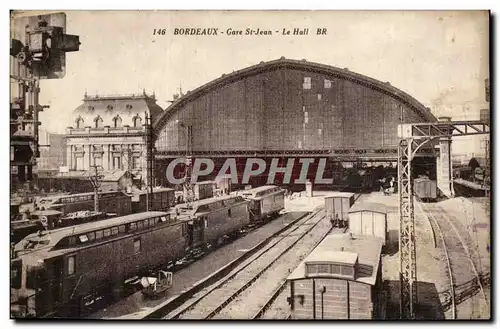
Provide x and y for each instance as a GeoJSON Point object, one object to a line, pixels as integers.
{"type": "Point", "coordinates": [137, 121]}
{"type": "Point", "coordinates": [98, 122]}
{"type": "Point", "coordinates": [79, 122]}
{"type": "Point", "coordinates": [117, 121]}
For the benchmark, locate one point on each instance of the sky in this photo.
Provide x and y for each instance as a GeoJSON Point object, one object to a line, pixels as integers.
{"type": "Point", "coordinates": [439, 58]}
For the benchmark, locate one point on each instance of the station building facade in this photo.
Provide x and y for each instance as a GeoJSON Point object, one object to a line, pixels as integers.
{"type": "Point", "coordinates": [109, 132]}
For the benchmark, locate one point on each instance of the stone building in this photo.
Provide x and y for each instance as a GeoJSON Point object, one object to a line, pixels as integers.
{"type": "Point", "coordinates": [109, 132]}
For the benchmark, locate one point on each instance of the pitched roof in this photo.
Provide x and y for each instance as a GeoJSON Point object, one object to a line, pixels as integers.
{"type": "Point", "coordinates": [369, 206]}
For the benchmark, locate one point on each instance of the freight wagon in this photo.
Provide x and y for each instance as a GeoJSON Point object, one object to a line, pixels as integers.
{"type": "Point", "coordinates": [265, 201]}
{"type": "Point", "coordinates": [337, 207]}
{"type": "Point", "coordinates": [62, 271]}
{"type": "Point", "coordinates": [162, 200]}
{"type": "Point", "coordinates": [425, 189]}
{"type": "Point", "coordinates": [341, 279]}
{"type": "Point", "coordinates": [369, 219]}
{"type": "Point", "coordinates": [109, 202]}
{"type": "Point", "coordinates": [202, 190]}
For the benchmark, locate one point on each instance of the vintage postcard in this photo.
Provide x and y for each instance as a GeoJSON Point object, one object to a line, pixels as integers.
{"type": "Point", "coordinates": [278, 165]}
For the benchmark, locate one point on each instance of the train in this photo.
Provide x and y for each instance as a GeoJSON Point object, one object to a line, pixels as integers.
{"type": "Point", "coordinates": [341, 279]}
{"type": "Point", "coordinates": [265, 201]}
{"type": "Point", "coordinates": [61, 273]}
{"type": "Point", "coordinates": [425, 189]}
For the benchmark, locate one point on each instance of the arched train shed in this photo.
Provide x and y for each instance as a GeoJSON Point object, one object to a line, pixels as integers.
{"type": "Point", "coordinates": [288, 109]}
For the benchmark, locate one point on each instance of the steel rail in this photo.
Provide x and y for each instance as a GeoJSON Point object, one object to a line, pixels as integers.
{"type": "Point", "coordinates": [448, 262]}
{"type": "Point", "coordinates": [255, 256]}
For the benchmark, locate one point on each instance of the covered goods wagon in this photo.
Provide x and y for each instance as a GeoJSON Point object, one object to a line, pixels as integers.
{"type": "Point", "coordinates": [369, 219]}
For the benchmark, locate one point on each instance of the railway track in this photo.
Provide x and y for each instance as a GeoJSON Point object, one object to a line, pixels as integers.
{"type": "Point", "coordinates": [231, 297]}
{"type": "Point", "coordinates": [466, 297]}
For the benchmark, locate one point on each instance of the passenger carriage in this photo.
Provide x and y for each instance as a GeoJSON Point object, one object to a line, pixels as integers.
{"type": "Point", "coordinates": [71, 266]}
{"type": "Point", "coordinates": [211, 219]}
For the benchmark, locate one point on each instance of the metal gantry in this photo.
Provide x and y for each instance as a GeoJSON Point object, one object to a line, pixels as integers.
{"type": "Point", "coordinates": [413, 137]}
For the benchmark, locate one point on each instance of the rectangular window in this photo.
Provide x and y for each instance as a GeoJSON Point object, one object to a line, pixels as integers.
{"type": "Point", "coordinates": [137, 245]}
{"type": "Point", "coordinates": [328, 84]}
{"type": "Point", "coordinates": [323, 268]}
{"type": "Point", "coordinates": [319, 97]}
{"type": "Point", "coordinates": [206, 223]}
{"type": "Point", "coordinates": [114, 230]}
{"type": "Point", "coordinates": [133, 226]}
{"type": "Point", "coordinates": [98, 235]}
{"type": "Point", "coordinates": [136, 163]}
{"type": "Point", "coordinates": [146, 223]}
{"type": "Point", "coordinates": [117, 163]}
{"type": "Point", "coordinates": [83, 238]}
{"type": "Point", "coordinates": [229, 213]}
{"type": "Point", "coordinates": [91, 236]}
{"type": "Point", "coordinates": [72, 240]}
{"type": "Point", "coordinates": [335, 269]}
{"type": "Point", "coordinates": [140, 226]}
{"type": "Point", "coordinates": [151, 222]}
{"type": "Point", "coordinates": [347, 270]}
{"type": "Point", "coordinates": [163, 218]}
{"type": "Point", "coordinates": [121, 228]}
{"type": "Point", "coordinates": [299, 144]}
{"type": "Point", "coordinates": [307, 83]}
{"type": "Point", "coordinates": [98, 161]}
{"type": "Point", "coordinates": [71, 265]}
{"type": "Point", "coordinates": [107, 232]}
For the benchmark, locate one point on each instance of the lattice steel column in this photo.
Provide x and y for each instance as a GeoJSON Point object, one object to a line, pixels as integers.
{"type": "Point", "coordinates": [408, 270]}
{"type": "Point", "coordinates": [150, 159]}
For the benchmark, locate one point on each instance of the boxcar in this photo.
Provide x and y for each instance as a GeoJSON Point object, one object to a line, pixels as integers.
{"type": "Point", "coordinates": [425, 189]}
{"type": "Point", "coordinates": [211, 219]}
{"type": "Point", "coordinates": [368, 219]}
{"type": "Point", "coordinates": [341, 279]}
{"type": "Point", "coordinates": [109, 202]}
{"type": "Point", "coordinates": [202, 190]}
{"type": "Point", "coordinates": [70, 266]}
{"type": "Point", "coordinates": [337, 208]}
{"type": "Point", "coordinates": [264, 201]}
{"type": "Point", "coordinates": [162, 200]}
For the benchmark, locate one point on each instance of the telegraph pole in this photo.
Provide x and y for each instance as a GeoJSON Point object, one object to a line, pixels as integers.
{"type": "Point", "coordinates": [95, 180]}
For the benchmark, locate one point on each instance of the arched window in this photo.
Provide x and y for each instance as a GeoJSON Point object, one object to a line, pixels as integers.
{"type": "Point", "coordinates": [137, 121]}
{"type": "Point", "coordinates": [117, 121]}
{"type": "Point", "coordinates": [79, 122]}
{"type": "Point", "coordinates": [98, 122]}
